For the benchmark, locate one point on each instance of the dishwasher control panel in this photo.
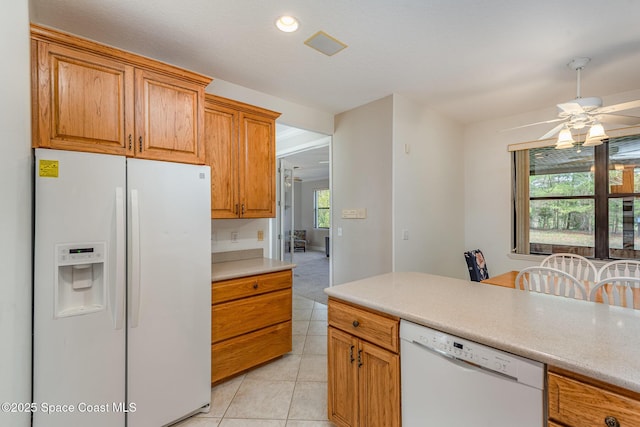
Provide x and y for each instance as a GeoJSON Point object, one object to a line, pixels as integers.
{"type": "Point", "coordinates": [468, 351]}
{"type": "Point", "coordinates": [480, 355]}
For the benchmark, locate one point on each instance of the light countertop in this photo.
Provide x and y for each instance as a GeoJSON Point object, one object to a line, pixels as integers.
{"type": "Point", "coordinates": [588, 338]}
{"type": "Point", "coordinates": [246, 267]}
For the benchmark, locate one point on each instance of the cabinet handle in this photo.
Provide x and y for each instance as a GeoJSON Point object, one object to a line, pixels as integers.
{"type": "Point", "coordinates": [236, 209]}
{"type": "Point", "coordinates": [140, 144]}
{"type": "Point", "coordinates": [243, 209]}
{"type": "Point", "coordinates": [130, 143]}
{"type": "Point", "coordinates": [355, 323]}
{"type": "Point", "coordinates": [255, 285]}
{"type": "Point", "coordinates": [611, 421]}
{"type": "Point", "coordinates": [359, 358]}
{"type": "Point", "coordinates": [351, 354]}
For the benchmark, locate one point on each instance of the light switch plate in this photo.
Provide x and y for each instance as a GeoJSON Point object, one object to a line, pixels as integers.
{"type": "Point", "coordinates": [349, 213]}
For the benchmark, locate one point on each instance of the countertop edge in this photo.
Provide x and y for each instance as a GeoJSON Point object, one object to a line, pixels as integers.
{"type": "Point", "coordinates": [352, 293]}
{"type": "Point", "coordinates": [249, 267]}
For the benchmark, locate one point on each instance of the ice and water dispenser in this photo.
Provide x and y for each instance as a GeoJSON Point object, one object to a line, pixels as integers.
{"type": "Point", "coordinates": [80, 280]}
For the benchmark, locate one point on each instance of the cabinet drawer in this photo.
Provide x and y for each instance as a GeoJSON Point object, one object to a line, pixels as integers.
{"type": "Point", "coordinates": [233, 356]}
{"type": "Point", "coordinates": [242, 287]}
{"type": "Point", "coordinates": [234, 318]}
{"type": "Point", "coordinates": [374, 327]}
{"type": "Point", "coordinates": [575, 403]}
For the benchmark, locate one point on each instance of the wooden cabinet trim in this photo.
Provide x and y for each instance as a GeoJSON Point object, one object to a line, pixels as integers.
{"type": "Point", "coordinates": [234, 356]}
{"type": "Point", "coordinates": [238, 317]}
{"type": "Point", "coordinates": [375, 327]}
{"type": "Point", "coordinates": [242, 287]}
{"type": "Point", "coordinates": [49, 108]}
{"type": "Point", "coordinates": [215, 101]}
{"type": "Point", "coordinates": [575, 403]}
{"type": "Point", "coordinates": [39, 32]}
{"type": "Point", "coordinates": [594, 382]}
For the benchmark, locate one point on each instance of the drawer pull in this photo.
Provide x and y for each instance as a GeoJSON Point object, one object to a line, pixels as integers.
{"type": "Point", "coordinates": [255, 285]}
{"type": "Point", "coordinates": [356, 323]}
{"type": "Point", "coordinates": [611, 422]}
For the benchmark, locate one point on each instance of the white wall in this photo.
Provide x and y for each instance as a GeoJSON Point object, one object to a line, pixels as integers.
{"type": "Point", "coordinates": [247, 230]}
{"type": "Point", "coordinates": [362, 176]}
{"type": "Point", "coordinates": [487, 166]}
{"type": "Point", "coordinates": [307, 214]}
{"type": "Point", "coordinates": [428, 193]}
{"type": "Point", "coordinates": [15, 213]}
{"type": "Point", "coordinates": [295, 115]}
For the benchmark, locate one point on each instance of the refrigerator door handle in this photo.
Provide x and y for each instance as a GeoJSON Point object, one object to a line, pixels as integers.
{"type": "Point", "coordinates": [120, 278]}
{"type": "Point", "coordinates": [135, 260]}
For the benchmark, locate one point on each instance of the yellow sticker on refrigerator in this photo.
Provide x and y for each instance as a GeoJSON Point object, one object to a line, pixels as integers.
{"type": "Point", "coordinates": [48, 168]}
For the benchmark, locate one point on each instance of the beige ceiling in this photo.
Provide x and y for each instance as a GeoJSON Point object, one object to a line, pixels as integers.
{"type": "Point", "coordinates": [471, 60]}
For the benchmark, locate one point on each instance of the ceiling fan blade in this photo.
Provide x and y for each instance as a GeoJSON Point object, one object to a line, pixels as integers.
{"type": "Point", "coordinates": [620, 119]}
{"type": "Point", "coordinates": [534, 124]}
{"type": "Point", "coordinates": [552, 132]}
{"type": "Point", "coordinates": [619, 107]}
{"type": "Point", "coordinates": [571, 108]}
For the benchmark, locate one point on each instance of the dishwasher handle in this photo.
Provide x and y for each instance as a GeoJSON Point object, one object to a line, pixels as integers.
{"type": "Point", "coordinates": [463, 363]}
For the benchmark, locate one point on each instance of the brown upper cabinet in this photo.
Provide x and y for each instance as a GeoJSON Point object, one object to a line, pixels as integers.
{"type": "Point", "coordinates": [95, 98]}
{"type": "Point", "coordinates": [240, 148]}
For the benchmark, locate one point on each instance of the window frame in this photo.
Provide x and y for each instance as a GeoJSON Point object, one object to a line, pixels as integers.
{"type": "Point", "coordinates": [601, 197]}
{"type": "Point", "coordinates": [317, 209]}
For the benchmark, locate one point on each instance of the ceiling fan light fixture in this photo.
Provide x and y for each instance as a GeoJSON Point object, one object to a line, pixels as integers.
{"type": "Point", "coordinates": [595, 136]}
{"type": "Point", "coordinates": [565, 139]}
{"type": "Point", "coordinates": [287, 24]}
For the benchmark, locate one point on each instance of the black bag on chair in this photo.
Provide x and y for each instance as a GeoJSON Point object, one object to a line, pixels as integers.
{"type": "Point", "coordinates": [477, 265]}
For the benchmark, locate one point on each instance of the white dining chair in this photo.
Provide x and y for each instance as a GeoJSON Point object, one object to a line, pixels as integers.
{"type": "Point", "coordinates": [548, 280]}
{"type": "Point", "coordinates": [576, 265]}
{"type": "Point", "coordinates": [619, 291]}
{"type": "Point", "coordinates": [619, 268]}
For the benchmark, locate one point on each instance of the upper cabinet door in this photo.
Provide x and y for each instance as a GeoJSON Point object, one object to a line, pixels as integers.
{"type": "Point", "coordinates": [221, 146]}
{"type": "Point", "coordinates": [169, 118]}
{"type": "Point", "coordinates": [82, 102]}
{"type": "Point", "coordinates": [257, 166]}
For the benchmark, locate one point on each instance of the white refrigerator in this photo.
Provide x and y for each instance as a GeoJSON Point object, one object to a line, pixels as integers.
{"type": "Point", "coordinates": [122, 291]}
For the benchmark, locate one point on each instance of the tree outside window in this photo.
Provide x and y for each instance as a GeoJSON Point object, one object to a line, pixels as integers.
{"type": "Point", "coordinates": [321, 208]}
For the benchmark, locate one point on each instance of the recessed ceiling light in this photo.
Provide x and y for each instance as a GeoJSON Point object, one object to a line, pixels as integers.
{"type": "Point", "coordinates": [288, 24]}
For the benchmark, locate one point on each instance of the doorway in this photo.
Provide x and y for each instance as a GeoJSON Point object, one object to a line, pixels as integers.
{"type": "Point", "coordinates": [303, 169]}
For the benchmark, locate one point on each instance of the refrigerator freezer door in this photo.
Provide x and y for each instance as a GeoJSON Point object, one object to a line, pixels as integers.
{"type": "Point", "coordinates": [79, 350]}
{"type": "Point", "coordinates": [169, 297]}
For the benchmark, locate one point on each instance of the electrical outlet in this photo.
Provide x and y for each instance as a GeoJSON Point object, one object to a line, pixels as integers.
{"type": "Point", "coordinates": [260, 235]}
{"type": "Point", "coordinates": [234, 237]}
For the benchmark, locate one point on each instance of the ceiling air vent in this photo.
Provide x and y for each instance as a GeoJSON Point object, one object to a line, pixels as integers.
{"type": "Point", "coordinates": [324, 43]}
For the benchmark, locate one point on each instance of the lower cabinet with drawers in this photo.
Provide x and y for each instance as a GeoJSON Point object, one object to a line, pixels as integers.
{"type": "Point", "coordinates": [577, 401]}
{"type": "Point", "coordinates": [250, 322]}
{"type": "Point", "coordinates": [363, 366]}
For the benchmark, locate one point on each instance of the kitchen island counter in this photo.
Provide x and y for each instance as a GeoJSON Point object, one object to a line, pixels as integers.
{"type": "Point", "coordinates": [588, 338]}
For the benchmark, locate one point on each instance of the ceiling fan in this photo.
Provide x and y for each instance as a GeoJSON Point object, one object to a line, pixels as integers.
{"type": "Point", "coordinates": [581, 113]}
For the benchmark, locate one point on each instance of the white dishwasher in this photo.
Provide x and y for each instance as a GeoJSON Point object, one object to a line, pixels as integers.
{"type": "Point", "coordinates": [453, 382]}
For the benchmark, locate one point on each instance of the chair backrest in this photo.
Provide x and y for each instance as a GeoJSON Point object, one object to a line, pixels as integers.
{"type": "Point", "coordinates": [300, 234]}
{"type": "Point", "coordinates": [621, 268]}
{"type": "Point", "coordinates": [477, 265]}
{"type": "Point", "coordinates": [576, 265]}
{"type": "Point", "coordinates": [548, 280]}
{"type": "Point", "coordinates": [620, 291]}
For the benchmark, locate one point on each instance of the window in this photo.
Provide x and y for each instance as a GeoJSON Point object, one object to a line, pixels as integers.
{"type": "Point", "coordinates": [321, 208]}
{"type": "Point", "coordinates": [584, 200]}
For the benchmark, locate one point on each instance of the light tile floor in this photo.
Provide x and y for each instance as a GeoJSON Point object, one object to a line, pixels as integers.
{"type": "Point", "coordinates": [289, 392]}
